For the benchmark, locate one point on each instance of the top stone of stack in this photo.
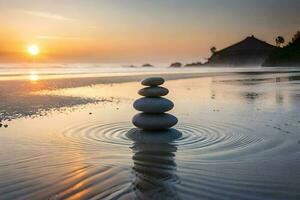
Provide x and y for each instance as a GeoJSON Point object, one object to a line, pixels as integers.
{"type": "Point", "coordinates": [153, 81]}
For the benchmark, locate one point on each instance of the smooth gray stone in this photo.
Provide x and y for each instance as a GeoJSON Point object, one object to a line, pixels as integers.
{"type": "Point", "coordinates": [164, 136]}
{"type": "Point", "coordinates": [153, 122]}
{"type": "Point", "coordinates": [153, 81]}
{"type": "Point", "coordinates": [153, 105]}
{"type": "Point", "coordinates": [153, 91]}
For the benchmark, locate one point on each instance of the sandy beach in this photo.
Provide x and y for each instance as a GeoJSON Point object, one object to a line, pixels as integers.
{"type": "Point", "coordinates": [66, 138]}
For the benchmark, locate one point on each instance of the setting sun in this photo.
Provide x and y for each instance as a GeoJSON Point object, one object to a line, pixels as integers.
{"type": "Point", "coordinates": [33, 49]}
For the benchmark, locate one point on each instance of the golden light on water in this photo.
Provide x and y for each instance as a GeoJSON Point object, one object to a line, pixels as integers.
{"type": "Point", "coordinates": [33, 49]}
{"type": "Point", "coordinates": [34, 77]}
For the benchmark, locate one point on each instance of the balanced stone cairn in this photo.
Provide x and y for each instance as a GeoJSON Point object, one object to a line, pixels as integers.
{"type": "Point", "coordinates": [153, 107]}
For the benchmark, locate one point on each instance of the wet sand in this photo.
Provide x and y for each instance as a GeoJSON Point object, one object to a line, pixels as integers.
{"type": "Point", "coordinates": [20, 97]}
{"type": "Point", "coordinates": [240, 139]}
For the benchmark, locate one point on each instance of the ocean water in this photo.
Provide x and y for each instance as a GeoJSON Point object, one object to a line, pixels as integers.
{"type": "Point", "coordinates": [68, 139]}
{"type": "Point", "coordinates": [46, 70]}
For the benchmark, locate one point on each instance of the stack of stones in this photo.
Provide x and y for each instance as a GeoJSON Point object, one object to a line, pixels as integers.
{"type": "Point", "coordinates": [153, 107]}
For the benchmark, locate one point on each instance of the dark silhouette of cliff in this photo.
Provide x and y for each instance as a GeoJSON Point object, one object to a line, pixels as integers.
{"type": "Point", "coordinates": [288, 56]}
{"type": "Point", "coordinates": [250, 51]}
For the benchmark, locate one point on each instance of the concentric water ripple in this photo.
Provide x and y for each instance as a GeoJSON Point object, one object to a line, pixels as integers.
{"type": "Point", "coordinates": [209, 140]}
{"type": "Point", "coordinates": [95, 133]}
{"type": "Point", "coordinates": [193, 134]}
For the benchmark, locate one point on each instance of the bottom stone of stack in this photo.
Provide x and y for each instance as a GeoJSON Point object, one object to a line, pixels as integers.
{"type": "Point", "coordinates": [154, 122]}
{"type": "Point", "coordinates": [160, 137]}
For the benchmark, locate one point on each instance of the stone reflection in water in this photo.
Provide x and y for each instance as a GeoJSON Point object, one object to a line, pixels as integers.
{"type": "Point", "coordinates": [279, 97]}
{"type": "Point", "coordinates": [251, 96]}
{"type": "Point", "coordinates": [154, 166]}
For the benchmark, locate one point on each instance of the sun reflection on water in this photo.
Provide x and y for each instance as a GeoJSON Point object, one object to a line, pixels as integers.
{"type": "Point", "coordinates": [33, 77]}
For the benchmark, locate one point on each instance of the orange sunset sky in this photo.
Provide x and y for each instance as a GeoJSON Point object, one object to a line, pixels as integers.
{"type": "Point", "coordinates": [120, 31]}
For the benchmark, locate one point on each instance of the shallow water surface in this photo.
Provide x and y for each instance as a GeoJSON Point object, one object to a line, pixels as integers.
{"type": "Point", "coordinates": [240, 140]}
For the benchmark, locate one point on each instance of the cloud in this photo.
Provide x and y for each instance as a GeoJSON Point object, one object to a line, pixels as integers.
{"type": "Point", "coordinates": [47, 15]}
{"type": "Point", "coordinates": [52, 37]}
{"type": "Point", "coordinates": [93, 27]}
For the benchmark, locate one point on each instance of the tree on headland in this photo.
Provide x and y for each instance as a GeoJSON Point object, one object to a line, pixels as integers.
{"type": "Point", "coordinates": [213, 50]}
{"type": "Point", "coordinates": [279, 41]}
{"type": "Point", "coordinates": [288, 56]}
